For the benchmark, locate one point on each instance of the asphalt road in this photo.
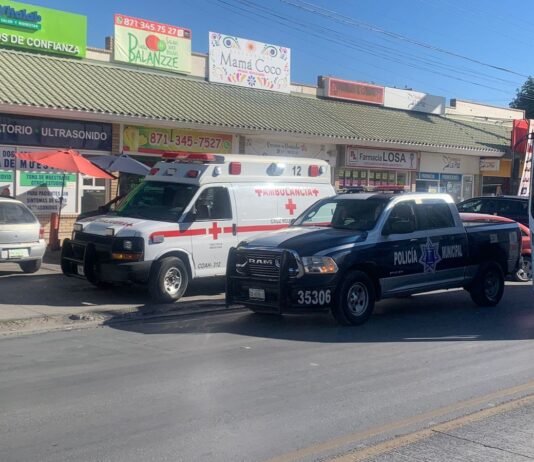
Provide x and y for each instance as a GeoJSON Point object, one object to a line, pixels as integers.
{"type": "Point", "coordinates": [242, 387]}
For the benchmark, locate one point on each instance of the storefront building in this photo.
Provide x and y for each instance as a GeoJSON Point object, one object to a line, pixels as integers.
{"type": "Point", "coordinates": [377, 167]}
{"type": "Point", "coordinates": [496, 176]}
{"type": "Point", "coordinates": [39, 187]}
{"type": "Point", "coordinates": [452, 174]}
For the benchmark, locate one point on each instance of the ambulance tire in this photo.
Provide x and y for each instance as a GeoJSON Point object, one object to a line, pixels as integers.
{"type": "Point", "coordinates": [168, 280]}
{"type": "Point", "coordinates": [488, 286]}
{"type": "Point", "coordinates": [356, 299]}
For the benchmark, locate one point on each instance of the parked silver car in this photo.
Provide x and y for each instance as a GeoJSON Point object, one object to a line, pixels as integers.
{"type": "Point", "coordinates": [21, 236]}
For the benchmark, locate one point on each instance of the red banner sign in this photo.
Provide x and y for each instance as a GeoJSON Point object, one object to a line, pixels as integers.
{"type": "Point", "coordinates": [354, 91]}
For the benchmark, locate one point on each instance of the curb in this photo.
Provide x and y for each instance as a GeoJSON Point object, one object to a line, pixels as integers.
{"type": "Point", "coordinates": [90, 319]}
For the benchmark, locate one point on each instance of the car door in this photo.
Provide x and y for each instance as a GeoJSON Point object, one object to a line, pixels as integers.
{"type": "Point", "coordinates": [444, 249]}
{"type": "Point", "coordinates": [214, 214]}
{"type": "Point", "coordinates": [398, 250]}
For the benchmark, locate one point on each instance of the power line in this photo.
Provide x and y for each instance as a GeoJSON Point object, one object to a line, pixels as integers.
{"type": "Point", "coordinates": [330, 14]}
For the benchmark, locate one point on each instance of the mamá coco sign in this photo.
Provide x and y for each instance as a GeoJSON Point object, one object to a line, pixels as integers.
{"type": "Point", "coordinates": [152, 44]}
{"type": "Point", "coordinates": [44, 30]}
{"type": "Point", "coordinates": [248, 63]}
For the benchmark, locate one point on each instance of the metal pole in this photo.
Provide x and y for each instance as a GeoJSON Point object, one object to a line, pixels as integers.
{"type": "Point", "coordinates": [60, 203]}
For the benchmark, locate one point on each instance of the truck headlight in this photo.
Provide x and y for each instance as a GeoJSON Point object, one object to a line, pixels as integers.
{"type": "Point", "coordinates": [127, 245]}
{"type": "Point", "coordinates": [319, 265]}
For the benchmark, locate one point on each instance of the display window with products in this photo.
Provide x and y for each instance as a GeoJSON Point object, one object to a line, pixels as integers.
{"type": "Point", "coordinates": [350, 177]}
{"type": "Point", "coordinates": [460, 187]}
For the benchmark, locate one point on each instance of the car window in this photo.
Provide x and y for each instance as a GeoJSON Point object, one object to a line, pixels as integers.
{"type": "Point", "coordinates": [15, 214]}
{"type": "Point", "coordinates": [320, 216]}
{"type": "Point", "coordinates": [433, 216]}
{"type": "Point", "coordinates": [403, 212]}
{"type": "Point", "coordinates": [512, 207]}
{"type": "Point", "coordinates": [213, 204]}
{"type": "Point", "coordinates": [471, 206]}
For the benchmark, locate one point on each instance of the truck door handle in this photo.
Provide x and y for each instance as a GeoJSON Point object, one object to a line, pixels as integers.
{"type": "Point", "coordinates": [234, 229]}
{"type": "Point", "coordinates": [414, 240]}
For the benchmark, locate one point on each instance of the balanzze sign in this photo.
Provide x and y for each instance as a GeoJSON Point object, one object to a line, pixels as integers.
{"type": "Point", "coordinates": [353, 91]}
{"type": "Point", "coordinates": [35, 28]}
{"type": "Point", "coordinates": [247, 63]}
{"type": "Point", "coordinates": [33, 131]}
{"type": "Point", "coordinates": [384, 159]}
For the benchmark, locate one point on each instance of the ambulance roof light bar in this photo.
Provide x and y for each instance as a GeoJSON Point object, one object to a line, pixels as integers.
{"type": "Point", "coordinates": [179, 156]}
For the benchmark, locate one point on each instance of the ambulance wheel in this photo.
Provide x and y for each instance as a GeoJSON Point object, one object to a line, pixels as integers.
{"type": "Point", "coordinates": [356, 299]}
{"type": "Point", "coordinates": [30, 266]}
{"type": "Point", "coordinates": [169, 280]}
{"type": "Point", "coordinates": [488, 286]}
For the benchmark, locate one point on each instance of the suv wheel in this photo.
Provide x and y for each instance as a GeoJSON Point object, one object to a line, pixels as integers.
{"type": "Point", "coordinates": [30, 266]}
{"type": "Point", "coordinates": [169, 280]}
{"type": "Point", "coordinates": [488, 286]}
{"type": "Point", "coordinates": [356, 299]}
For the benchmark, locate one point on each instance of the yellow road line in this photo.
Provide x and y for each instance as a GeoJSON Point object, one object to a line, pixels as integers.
{"type": "Point", "coordinates": [401, 441]}
{"type": "Point", "coordinates": [354, 438]}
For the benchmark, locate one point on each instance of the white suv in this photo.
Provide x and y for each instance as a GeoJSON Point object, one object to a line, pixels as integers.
{"type": "Point", "coordinates": [21, 236]}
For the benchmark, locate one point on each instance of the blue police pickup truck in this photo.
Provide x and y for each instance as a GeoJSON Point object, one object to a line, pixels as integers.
{"type": "Point", "coordinates": [348, 251]}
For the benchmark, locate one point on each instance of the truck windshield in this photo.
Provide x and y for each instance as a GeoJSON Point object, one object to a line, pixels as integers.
{"type": "Point", "coordinates": [353, 214]}
{"type": "Point", "coordinates": [155, 200]}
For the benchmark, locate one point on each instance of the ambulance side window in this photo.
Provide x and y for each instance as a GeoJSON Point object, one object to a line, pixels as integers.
{"type": "Point", "coordinates": [213, 204]}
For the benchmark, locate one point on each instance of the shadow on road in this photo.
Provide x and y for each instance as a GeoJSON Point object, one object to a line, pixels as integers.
{"type": "Point", "coordinates": [55, 289]}
{"type": "Point", "coordinates": [432, 317]}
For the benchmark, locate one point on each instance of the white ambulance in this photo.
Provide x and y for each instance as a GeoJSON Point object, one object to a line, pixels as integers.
{"type": "Point", "coordinates": [180, 222]}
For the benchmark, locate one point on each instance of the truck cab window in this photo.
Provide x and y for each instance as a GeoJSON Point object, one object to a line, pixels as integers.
{"type": "Point", "coordinates": [404, 214]}
{"type": "Point", "coordinates": [213, 204]}
{"type": "Point", "coordinates": [433, 216]}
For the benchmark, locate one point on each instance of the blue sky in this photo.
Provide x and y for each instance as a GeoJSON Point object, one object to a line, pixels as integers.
{"type": "Point", "coordinates": [489, 31]}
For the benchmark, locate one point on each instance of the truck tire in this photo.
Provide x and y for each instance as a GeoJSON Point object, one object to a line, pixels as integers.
{"type": "Point", "coordinates": [168, 280]}
{"type": "Point", "coordinates": [30, 266]}
{"type": "Point", "coordinates": [356, 299]}
{"type": "Point", "coordinates": [488, 286]}
{"type": "Point", "coordinates": [524, 272]}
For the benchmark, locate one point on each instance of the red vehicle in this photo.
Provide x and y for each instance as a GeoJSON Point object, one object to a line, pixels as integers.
{"type": "Point", "coordinates": [524, 273]}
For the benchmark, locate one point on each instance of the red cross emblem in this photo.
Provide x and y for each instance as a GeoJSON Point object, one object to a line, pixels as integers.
{"type": "Point", "coordinates": [215, 230]}
{"type": "Point", "coordinates": [290, 206]}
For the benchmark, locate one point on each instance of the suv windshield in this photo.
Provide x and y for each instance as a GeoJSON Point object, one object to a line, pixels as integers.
{"type": "Point", "coordinates": [353, 214]}
{"type": "Point", "coordinates": [155, 200]}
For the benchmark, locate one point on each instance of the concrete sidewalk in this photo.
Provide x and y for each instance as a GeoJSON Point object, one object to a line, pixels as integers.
{"type": "Point", "coordinates": [48, 300]}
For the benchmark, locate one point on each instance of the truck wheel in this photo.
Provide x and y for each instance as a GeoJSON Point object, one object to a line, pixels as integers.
{"type": "Point", "coordinates": [356, 299]}
{"type": "Point", "coordinates": [524, 273]}
{"type": "Point", "coordinates": [169, 280]}
{"type": "Point", "coordinates": [488, 286]}
{"type": "Point", "coordinates": [31, 266]}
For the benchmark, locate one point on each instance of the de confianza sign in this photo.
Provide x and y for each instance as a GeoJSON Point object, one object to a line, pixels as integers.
{"type": "Point", "coordinates": [43, 30]}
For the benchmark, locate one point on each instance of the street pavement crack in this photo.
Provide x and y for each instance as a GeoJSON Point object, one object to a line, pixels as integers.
{"type": "Point", "coordinates": [489, 446]}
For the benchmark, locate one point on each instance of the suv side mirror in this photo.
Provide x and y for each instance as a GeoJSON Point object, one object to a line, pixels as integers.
{"type": "Point", "coordinates": [398, 226]}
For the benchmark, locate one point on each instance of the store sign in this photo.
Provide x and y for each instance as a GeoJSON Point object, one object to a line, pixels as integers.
{"type": "Point", "coordinates": [41, 191]}
{"type": "Point", "coordinates": [353, 91]}
{"type": "Point", "coordinates": [247, 63]}
{"type": "Point", "coordinates": [414, 101]}
{"type": "Point", "coordinates": [33, 131]}
{"type": "Point", "coordinates": [45, 30]}
{"type": "Point", "coordinates": [152, 44]}
{"type": "Point", "coordinates": [451, 162]}
{"type": "Point", "coordinates": [160, 140]}
{"type": "Point", "coordinates": [490, 165]}
{"type": "Point", "coordinates": [386, 159]}
{"type": "Point", "coordinates": [262, 147]}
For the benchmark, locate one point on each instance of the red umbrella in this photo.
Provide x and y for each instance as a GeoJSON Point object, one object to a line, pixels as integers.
{"type": "Point", "coordinates": [67, 160]}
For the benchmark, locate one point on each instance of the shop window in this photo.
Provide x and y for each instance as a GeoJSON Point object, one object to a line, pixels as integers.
{"type": "Point", "coordinates": [433, 216]}
{"type": "Point", "coordinates": [93, 193]}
